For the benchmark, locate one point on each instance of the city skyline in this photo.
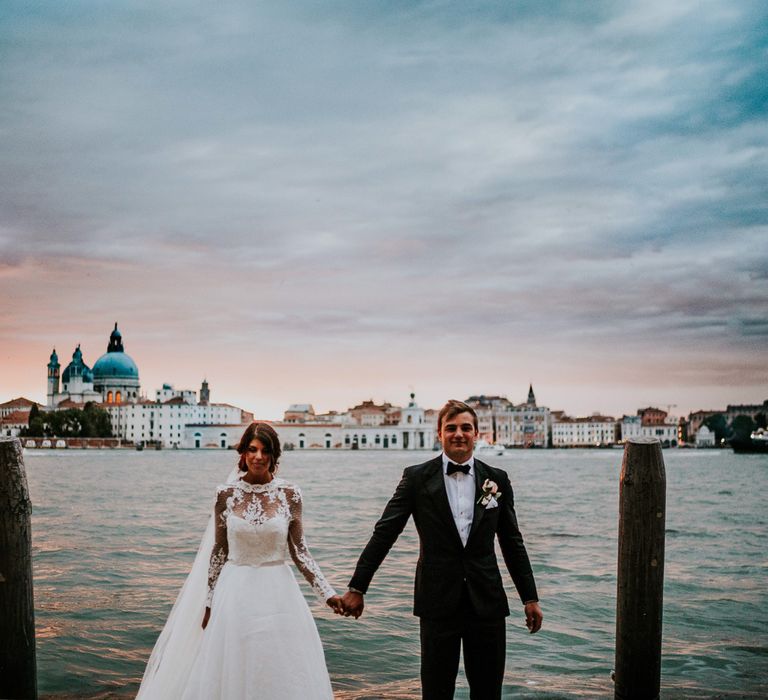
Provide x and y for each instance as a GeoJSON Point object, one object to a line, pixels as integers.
{"type": "Point", "coordinates": [326, 204]}
{"type": "Point", "coordinates": [278, 408]}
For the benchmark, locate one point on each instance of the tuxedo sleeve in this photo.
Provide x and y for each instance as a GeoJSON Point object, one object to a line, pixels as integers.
{"type": "Point", "coordinates": [385, 532]}
{"type": "Point", "coordinates": [511, 544]}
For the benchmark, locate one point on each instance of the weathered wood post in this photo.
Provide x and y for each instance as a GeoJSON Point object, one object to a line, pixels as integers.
{"type": "Point", "coordinates": [18, 664]}
{"type": "Point", "coordinates": [640, 587]}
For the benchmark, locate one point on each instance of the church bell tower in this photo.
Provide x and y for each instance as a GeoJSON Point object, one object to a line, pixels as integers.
{"type": "Point", "coordinates": [53, 378]}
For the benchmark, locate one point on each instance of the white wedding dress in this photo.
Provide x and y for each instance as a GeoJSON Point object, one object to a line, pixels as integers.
{"type": "Point", "coordinates": [261, 642]}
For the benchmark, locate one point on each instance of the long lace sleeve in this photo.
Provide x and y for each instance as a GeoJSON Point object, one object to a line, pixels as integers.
{"type": "Point", "coordinates": [300, 551]}
{"type": "Point", "coordinates": [220, 550]}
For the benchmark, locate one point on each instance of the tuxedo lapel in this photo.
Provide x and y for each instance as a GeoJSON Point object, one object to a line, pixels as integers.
{"type": "Point", "coordinates": [434, 484]}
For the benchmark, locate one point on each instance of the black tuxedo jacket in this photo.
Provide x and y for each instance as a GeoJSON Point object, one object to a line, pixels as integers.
{"type": "Point", "coordinates": [444, 564]}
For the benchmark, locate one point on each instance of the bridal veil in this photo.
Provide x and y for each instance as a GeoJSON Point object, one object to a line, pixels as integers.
{"type": "Point", "coordinates": [170, 663]}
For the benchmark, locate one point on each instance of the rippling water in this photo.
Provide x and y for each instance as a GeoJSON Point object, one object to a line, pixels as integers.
{"type": "Point", "coordinates": [115, 532]}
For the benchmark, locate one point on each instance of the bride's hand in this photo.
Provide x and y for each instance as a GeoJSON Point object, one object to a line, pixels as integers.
{"type": "Point", "coordinates": [334, 602]}
{"type": "Point", "coordinates": [206, 617]}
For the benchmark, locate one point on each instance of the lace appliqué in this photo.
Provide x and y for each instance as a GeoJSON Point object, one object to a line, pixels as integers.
{"type": "Point", "coordinates": [257, 504]}
{"type": "Point", "coordinates": [220, 549]}
{"type": "Point", "coordinates": [300, 551]}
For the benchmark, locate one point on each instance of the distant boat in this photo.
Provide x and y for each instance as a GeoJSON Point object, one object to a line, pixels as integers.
{"type": "Point", "coordinates": [483, 448]}
{"type": "Point", "coordinates": [757, 442]}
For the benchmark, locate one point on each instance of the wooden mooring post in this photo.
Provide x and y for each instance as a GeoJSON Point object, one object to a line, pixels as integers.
{"type": "Point", "coordinates": [18, 663]}
{"type": "Point", "coordinates": [640, 585]}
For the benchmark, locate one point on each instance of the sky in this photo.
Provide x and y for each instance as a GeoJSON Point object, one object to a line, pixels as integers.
{"type": "Point", "coordinates": [327, 202]}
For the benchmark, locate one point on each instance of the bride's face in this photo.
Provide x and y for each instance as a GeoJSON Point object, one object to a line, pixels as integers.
{"type": "Point", "coordinates": [258, 460]}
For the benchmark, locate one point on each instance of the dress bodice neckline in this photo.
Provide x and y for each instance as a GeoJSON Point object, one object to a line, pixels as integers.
{"type": "Point", "coordinates": [246, 486]}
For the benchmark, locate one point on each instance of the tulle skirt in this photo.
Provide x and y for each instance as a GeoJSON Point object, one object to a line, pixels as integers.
{"type": "Point", "coordinates": [261, 642]}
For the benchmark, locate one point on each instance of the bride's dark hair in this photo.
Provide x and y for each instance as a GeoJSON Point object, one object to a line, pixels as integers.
{"type": "Point", "coordinates": [267, 435]}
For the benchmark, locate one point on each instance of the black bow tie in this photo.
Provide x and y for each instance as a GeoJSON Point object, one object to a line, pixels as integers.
{"type": "Point", "coordinates": [453, 468]}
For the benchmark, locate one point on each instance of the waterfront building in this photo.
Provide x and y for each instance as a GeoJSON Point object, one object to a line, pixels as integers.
{"type": "Point", "coordinates": [311, 435]}
{"type": "Point", "coordinates": [530, 423]}
{"type": "Point", "coordinates": [366, 426]}
{"type": "Point", "coordinates": [752, 410]}
{"type": "Point", "coordinates": [167, 393]}
{"type": "Point", "coordinates": [494, 418]}
{"type": "Point", "coordinates": [652, 416]}
{"type": "Point", "coordinates": [14, 416]}
{"type": "Point", "coordinates": [305, 413]}
{"type": "Point", "coordinates": [369, 413]}
{"type": "Point", "coordinates": [173, 418]}
{"type": "Point", "coordinates": [299, 413]}
{"type": "Point", "coordinates": [705, 437]}
{"type": "Point", "coordinates": [76, 381]}
{"type": "Point", "coordinates": [18, 405]}
{"type": "Point", "coordinates": [113, 383]}
{"type": "Point", "coordinates": [500, 422]}
{"type": "Point", "coordinates": [115, 374]}
{"type": "Point", "coordinates": [113, 379]}
{"type": "Point", "coordinates": [591, 431]}
{"type": "Point", "coordinates": [652, 423]}
{"type": "Point", "coordinates": [696, 419]}
{"type": "Point", "coordinates": [631, 427]}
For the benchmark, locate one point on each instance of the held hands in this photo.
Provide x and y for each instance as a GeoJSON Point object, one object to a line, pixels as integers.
{"type": "Point", "coordinates": [533, 617]}
{"type": "Point", "coordinates": [335, 604]}
{"type": "Point", "coordinates": [352, 604]}
{"type": "Point", "coordinates": [349, 605]}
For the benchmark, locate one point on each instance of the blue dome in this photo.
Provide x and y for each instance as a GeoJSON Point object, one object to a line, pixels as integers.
{"type": "Point", "coordinates": [76, 368]}
{"type": "Point", "coordinates": [115, 364]}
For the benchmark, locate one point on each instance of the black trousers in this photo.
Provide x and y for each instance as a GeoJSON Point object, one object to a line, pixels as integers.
{"type": "Point", "coordinates": [484, 644]}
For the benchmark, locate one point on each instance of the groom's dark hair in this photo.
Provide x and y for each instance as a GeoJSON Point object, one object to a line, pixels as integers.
{"type": "Point", "coordinates": [268, 437]}
{"type": "Point", "coordinates": [453, 408]}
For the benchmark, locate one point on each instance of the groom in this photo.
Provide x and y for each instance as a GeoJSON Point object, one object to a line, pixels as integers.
{"type": "Point", "coordinates": [459, 505]}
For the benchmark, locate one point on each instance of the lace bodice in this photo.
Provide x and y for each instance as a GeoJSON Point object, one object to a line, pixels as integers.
{"type": "Point", "coordinates": [259, 524]}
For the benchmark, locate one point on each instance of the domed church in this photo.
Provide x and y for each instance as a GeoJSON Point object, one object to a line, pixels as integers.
{"type": "Point", "coordinates": [113, 379]}
{"type": "Point", "coordinates": [115, 374]}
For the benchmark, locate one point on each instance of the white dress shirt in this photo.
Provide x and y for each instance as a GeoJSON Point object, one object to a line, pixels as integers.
{"type": "Point", "coordinates": [460, 488]}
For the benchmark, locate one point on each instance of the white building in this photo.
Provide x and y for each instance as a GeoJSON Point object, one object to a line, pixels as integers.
{"type": "Point", "coordinates": [592, 431]}
{"type": "Point", "coordinates": [14, 416]}
{"type": "Point", "coordinates": [167, 393]}
{"type": "Point", "coordinates": [705, 437]}
{"type": "Point", "coordinates": [76, 381]}
{"type": "Point", "coordinates": [633, 426]}
{"type": "Point", "coordinates": [504, 423]}
{"type": "Point", "coordinates": [18, 405]}
{"type": "Point", "coordinates": [214, 435]}
{"type": "Point", "coordinates": [170, 422]}
{"type": "Point", "coordinates": [364, 427]}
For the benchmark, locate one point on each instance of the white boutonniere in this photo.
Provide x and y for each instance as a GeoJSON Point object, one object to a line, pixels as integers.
{"type": "Point", "coordinates": [490, 494]}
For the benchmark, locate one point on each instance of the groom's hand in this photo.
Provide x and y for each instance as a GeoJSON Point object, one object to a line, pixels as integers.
{"type": "Point", "coordinates": [353, 604]}
{"type": "Point", "coordinates": [533, 617]}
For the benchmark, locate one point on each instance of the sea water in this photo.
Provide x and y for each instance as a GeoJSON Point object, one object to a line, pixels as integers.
{"type": "Point", "coordinates": [114, 533]}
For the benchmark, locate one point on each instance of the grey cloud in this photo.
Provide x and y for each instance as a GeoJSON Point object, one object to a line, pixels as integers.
{"type": "Point", "coordinates": [551, 169]}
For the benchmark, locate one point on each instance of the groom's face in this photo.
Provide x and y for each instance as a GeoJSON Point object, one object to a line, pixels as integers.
{"type": "Point", "coordinates": [458, 436]}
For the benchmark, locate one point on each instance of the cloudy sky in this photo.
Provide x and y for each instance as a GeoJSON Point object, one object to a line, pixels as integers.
{"type": "Point", "coordinates": [329, 201]}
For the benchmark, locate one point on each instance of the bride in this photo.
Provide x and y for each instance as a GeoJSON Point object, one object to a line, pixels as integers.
{"type": "Point", "coordinates": [257, 638]}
